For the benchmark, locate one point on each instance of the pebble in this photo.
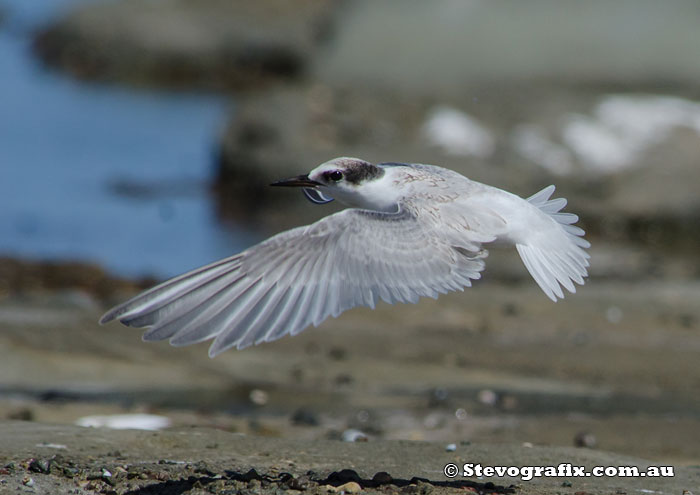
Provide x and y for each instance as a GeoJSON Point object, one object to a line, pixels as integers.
{"type": "Point", "coordinates": [434, 420]}
{"type": "Point", "coordinates": [585, 439]}
{"type": "Point", "coordinates": [614, 314]}
{"type": "Point", "coordinates": [344, 476]}
{"type": "Point", "coordinates": [418, 488]}
{"type": "Point", "coordinates": [251, 475]}
{"type": "Point", "coordinates": [40, 466]}
{"type": "Point", "coordinates": [363, 416]}
{"type": "Point", "coordinates": [305, 417]}
{"type": "Point", "coordinates": [301, 483]}
{"type": "Point", "coordinates": [438, 396]}
{"type": "Point", "coordinates": [352, 435]}
{"type": "Point", "coordinates": [382, 478]}
{"type": "Point", "coordinates": [488, 397]}
{"type": "Point", "coordinates": [349, 487]}
{"type": "Point", "coordinates": [258, 397]}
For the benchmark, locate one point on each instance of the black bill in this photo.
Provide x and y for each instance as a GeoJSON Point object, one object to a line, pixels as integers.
{"type": "Point", "coordinates": [299, 181]}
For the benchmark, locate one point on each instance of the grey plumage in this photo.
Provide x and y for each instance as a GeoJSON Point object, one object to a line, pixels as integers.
{"type": "Point", "coordinates": [415, 231]}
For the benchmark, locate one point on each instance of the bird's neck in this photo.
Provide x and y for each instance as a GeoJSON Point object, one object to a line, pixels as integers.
{"type": "Point", "coordinates": [378, 195]}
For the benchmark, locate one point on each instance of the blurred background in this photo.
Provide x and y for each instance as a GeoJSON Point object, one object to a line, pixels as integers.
{"type": "Point", "coordinates": [137, 140]}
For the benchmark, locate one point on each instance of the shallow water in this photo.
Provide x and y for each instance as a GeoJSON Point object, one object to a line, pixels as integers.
{"type": "Point", "coordinates": [101, 173]}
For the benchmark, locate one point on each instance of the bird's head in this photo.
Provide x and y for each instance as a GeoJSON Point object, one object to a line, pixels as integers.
{"type": "Point", "coordinates": [352, 181]}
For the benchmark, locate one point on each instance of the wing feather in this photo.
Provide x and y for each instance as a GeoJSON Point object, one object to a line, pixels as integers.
{"type": "Point", "coordinates": [303, 276]}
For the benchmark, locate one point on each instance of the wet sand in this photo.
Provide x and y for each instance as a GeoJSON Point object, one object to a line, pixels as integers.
{"type": "Point", "coordinates": [499, 371]}
{"type": "Point", "coordinates": [57, 458]}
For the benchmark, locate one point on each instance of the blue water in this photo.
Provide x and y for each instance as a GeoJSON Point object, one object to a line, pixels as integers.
{"type": "Point", "coordinates": [70, 150]}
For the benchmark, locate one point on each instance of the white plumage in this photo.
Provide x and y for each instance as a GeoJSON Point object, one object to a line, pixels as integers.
{"type": "Point", "coordinates": [412, 231]}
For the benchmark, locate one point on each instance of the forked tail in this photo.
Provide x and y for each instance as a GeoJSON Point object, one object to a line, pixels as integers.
{"type": "Point", "coordinates": [555, 257]}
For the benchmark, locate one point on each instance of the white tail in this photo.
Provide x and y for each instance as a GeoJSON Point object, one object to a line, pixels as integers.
{"type": "Point", "coordinates": [555, 257]}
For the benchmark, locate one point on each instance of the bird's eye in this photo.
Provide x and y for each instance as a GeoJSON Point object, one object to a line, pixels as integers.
{"type": "Point", "coordinates": [335, 175]}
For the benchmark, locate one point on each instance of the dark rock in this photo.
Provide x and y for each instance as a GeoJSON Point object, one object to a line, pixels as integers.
{"type": "Point", "coordinates": [301, 483]}
{"type": "Point", "coordinates": [418, 487]}
{"type": "Point", "coordinates": [20, 276]}
{"type": "Point", "coordinates": [23, 414]}
{"type": "Point", "coordinates": [212, 44]}
{"type": "Point", "coordinates": [343, 379]}
{"type": "Point", "coordinates": [338, 353]}
{"type": "Point", "coordinates": [585, 439]}
{"type": "Point", "coordinates": [251, 475]}
{"type": "Point", "coordinates": [438, 397]}
{"type": "Point", "coordinates": [40, 466]}
{"type": "Point", "coordinates": [305, 417]}
{"type": "Point", "coordinates": [343, 476]}
{"type": "Point", "coordinates": [382, 478]}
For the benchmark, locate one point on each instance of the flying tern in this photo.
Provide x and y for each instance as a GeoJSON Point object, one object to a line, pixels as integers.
{"type": "Point", "coordinates": [410, 231]}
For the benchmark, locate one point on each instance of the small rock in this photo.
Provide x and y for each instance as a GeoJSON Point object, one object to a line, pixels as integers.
{"type": "Point", "coordinates": [70, 471]}
{"type": "Point", "coordinates": [585, 439]}
{"type": "Point", "coordinates": [344, 476]}
{"type": "Point", "coordinates": [434, 420]}
{"type": "Point", "coordinates": [258, 397]}
{"type": "Point", "coordinates": [344, 379]}
{"type": "Point", "coordinates": [251, 475]}
{"type": "Point", "coordinates": [40, 466]}
{"type": "Point", "coordinates": [451, 447]}
{"type": "Point", "coordinates": [614, 315]}
{"type": "Point", "coordinates": [352, 435]}
{"type": "Point", "coordinates": [509, 402]}
{"type": "Point", "coordinates": [24, 414]}
{"type": "Point", "coordinates": [363, 416]}
{"type": "Point", "coordinates": [510, 309]}
{"type": "Point", "coordinates": [418, 488]}
{"type": "Point", "coordinates": [438, 396]}
{"type": "Point", "coordinates": [488, 397]}
{"type": "Point", "coordinates": [382, 478]}
{"type": "Point", "coordinates": [305, 417]}
{"type": "Point", "coordinates": [349, 487]}
{"type": "Point", "coordinates": [338, 353]}
{"type": "Point", "coordinates": [301, 483]}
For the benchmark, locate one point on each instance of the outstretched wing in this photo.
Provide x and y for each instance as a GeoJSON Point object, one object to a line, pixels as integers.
{"type": "Point", "coordinates": [302, 276]}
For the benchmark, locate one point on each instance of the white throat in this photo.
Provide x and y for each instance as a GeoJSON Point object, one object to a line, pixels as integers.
{"type": "Point", "coordinates": [379, 195]}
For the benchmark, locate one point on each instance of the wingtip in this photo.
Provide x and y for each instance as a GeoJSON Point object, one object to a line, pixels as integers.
{"type": "Point", "coordinates": [214, 352]}
{"type": "Point", "coordinates": [105, 318]}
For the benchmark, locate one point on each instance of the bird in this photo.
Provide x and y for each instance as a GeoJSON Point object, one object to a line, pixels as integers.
{"type": "Point", "coordinates": [410, 231]}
